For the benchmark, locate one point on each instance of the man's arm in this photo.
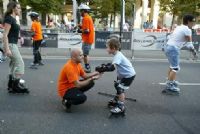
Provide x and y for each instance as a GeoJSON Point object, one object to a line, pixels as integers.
{"type": "Point", "coordinates": [83, 83]}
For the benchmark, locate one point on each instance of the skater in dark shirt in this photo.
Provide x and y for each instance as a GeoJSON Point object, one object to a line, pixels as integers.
{"type": "Point", "coordinates": [10, 39]}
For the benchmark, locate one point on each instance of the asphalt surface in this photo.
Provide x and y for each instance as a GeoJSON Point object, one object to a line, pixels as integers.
{"type": "Point", "coordinates": [41, 112]}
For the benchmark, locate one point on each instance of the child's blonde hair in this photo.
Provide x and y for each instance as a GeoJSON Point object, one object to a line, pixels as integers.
{"type": "Point", "coordinates": [113, 43]}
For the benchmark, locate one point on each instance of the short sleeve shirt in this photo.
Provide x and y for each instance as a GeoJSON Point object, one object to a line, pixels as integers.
{"type": "Point", "coordinates": [177, 38]}
{"type": "Point", "coordinates": [123, 65]}
{"type": "Point", "coordinates": [37, 29]}
{"type": "Point", "coordinates": [69, 73]}
{"type": "Point", "coordinates": [87, 23]}
{"type": "Point", "coordinates": [13, 34]}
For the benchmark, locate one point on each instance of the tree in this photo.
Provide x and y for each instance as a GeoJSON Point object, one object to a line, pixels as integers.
{"type": "Point", "coordinates": [179, 7]}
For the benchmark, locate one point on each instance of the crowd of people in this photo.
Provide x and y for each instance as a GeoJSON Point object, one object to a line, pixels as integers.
{"type": "Point", "coordinates": [74, 80]}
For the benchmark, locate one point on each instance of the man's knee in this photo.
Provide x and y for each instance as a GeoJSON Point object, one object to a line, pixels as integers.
{"type": "Point", "coordinates": [176, 69]}
{"type": "Point", "coordinates": [80, 99]}
{"type": "Point", "coordinates": [91, 84]}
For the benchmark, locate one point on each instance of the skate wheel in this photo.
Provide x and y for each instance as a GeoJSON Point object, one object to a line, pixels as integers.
{"type": "Point", "coordinates": [116, 115]}
{"type": "Point", "coordinates": [168, 92]}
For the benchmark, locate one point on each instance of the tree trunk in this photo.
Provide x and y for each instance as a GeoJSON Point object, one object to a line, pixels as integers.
{"type": "Point", "coordinates": [111, 20]}
{"type": "Point", "coordinates": [173, 16]}
{"type": "Point", "coordinates": [24, 19]}
{"type": "Point", "coordinates": [44, 19]}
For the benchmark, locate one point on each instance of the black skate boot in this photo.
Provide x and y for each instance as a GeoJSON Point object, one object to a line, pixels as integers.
{"type": "Point", "coordinates": [10, 82]}
{"type": "Point", "coordinates": [112, 103]}
{"type": "Point", "coordinates": [19, 87]}
{"type": "Point", "coordinates": [66, 105]}
{"type": "Point", "coordinates": [118, 110]}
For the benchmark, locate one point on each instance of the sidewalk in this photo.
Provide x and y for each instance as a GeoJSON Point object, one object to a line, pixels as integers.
{"type": "Point", "coordinates": [102, 53]}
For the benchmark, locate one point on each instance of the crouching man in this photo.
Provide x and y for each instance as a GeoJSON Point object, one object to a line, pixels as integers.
{"type": "Point", "coordinates": [73, 81]}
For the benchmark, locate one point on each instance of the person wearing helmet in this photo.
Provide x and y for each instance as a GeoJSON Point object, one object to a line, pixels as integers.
{"type": "Point", "coordinates": [181, 37]}
{"type": "Point", "coordinates": [36, 28]}
{"type": "Point", "coordinates": [87, 30]}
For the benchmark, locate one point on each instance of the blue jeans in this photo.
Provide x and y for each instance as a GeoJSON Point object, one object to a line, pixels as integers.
{"type": "Point", "coordinates": [172, 53]}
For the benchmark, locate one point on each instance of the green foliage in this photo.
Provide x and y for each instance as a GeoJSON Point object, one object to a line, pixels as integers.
{"type": "Point", "coordinates": [106, 7]}
{"type": "Point", "coordinates": [44, 6]}
{"type": "Point", "coordinates": [179, 7]}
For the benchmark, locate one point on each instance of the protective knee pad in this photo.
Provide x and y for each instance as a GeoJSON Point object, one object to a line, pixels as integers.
{"type": "Point", "coordinates": [119, 89]}
{"type": "Point", "coordinates": [177, 69]}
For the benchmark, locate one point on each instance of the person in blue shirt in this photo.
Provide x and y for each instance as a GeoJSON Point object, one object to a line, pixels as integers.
{"type": "Point", "coordinates": [125, 75]}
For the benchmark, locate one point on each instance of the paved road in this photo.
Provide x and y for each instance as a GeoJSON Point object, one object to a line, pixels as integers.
{"type": "Point", "coordinates": [41, 111]}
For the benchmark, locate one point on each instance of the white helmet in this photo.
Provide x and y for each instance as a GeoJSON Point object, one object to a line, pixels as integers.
{"type": "Point", "coordinates": [83, 7]}
{"type": "Point", "coordinates": [33, 14]}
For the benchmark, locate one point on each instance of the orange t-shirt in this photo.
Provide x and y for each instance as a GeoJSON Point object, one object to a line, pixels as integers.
{"type": "Point", "coordinates": [69, 73]}
{"type": "Point", "coordinates": [87, 23]}
{"type": "Point", "coordinates": [37, 29]}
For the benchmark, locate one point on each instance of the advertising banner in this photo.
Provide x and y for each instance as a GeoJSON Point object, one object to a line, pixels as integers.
{"type": "Point", "coordinates": [102, 36]}
{"type": "Point", "coordinates": [69, 40]}
{"type": "Point", "coordinates": [148, 41]}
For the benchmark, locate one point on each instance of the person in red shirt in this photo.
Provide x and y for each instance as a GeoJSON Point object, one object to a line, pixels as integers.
{"type": "Point", "coordinates": [36, 28]}
{"type": "Point", "coordinates": [70, 88]}
{"type": "Point", "coordinates": [87, 30]}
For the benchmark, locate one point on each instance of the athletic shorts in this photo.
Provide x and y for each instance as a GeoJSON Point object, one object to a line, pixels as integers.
{"type": "Point", "coordinates": [124, 83]}
{"type": "Point", "coordinates": [86, 48]}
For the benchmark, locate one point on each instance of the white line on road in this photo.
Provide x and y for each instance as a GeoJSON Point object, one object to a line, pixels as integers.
{"type": "Point", "coordinates": [184, 84]}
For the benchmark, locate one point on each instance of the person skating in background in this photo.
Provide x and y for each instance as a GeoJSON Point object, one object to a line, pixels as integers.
{"type": "Point", "coordinates": [37, 37]}
{"type": "Point", "coordinates": [181, 36]}
{"type": "Point", "coordinates": [87, 30]}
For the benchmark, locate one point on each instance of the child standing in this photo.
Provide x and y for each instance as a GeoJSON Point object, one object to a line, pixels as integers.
{"type": "Point", "coordinates": [125, 75]}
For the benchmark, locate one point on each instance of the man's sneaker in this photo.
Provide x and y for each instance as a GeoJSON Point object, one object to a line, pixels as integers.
{"type": "Point", "coordinates": [66, 104]}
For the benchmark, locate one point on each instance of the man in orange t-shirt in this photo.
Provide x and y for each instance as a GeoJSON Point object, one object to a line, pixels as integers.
{"type": "Point", "coordinates": [87, 30]}
{"type": "Point", "coordinates": [36, 28]}
{"type": "Point", "coordinates": [70, 88]}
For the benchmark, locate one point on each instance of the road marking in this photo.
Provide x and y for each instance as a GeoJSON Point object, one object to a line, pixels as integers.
{"type": "Point", "coordinates": [184, 84]}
